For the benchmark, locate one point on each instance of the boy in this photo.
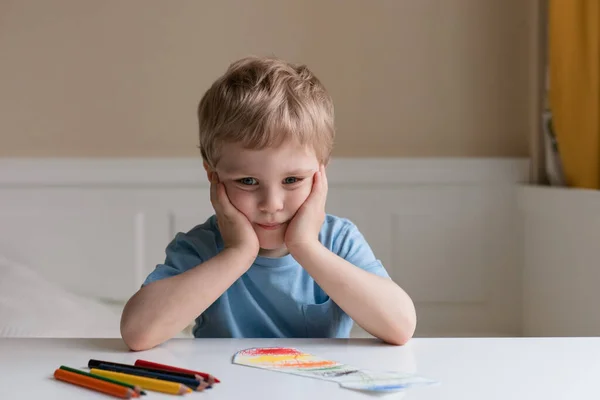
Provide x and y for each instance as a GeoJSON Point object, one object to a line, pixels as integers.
{"type": "Point", "coordinates": [270, 262]}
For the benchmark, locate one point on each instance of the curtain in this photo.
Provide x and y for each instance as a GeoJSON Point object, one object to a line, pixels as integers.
{"type": "Point", "coordinates": [574, 92]}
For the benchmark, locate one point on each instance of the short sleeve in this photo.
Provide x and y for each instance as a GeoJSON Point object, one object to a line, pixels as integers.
{"type": "Point", "coordinates": [351, 245]}
{"type": "Point", "coordinates": [184, 252]}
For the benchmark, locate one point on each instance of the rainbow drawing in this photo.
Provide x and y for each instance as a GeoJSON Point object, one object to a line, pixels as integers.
{"type": "Point", "coordinates": [296, 362]}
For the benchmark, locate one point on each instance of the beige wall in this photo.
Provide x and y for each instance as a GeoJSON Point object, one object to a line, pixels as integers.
{"type": "Point", "coordinates": [409, 77]}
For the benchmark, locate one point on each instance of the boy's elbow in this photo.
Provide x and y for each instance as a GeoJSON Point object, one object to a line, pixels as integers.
{"type": "Point", "coordinates": [134, 338]}
{"type": "Point", "coordinates": [399, 338]}
{"type": "Point", "coordinates": [402, 331]}
{"type": "Point", "coordinates": [138, 345]}
{"type": "Point", "coordinates": [136, 341]}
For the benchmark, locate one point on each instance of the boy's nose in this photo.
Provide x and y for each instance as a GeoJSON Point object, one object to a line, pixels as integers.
{"type": "Point", "coordinates": [271, 203]}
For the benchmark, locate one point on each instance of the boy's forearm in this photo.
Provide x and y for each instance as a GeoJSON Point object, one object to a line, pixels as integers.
{"type": "Point", "coordinates": [160, 310]}
{"type": "Point", "coordinates": [375, 303]}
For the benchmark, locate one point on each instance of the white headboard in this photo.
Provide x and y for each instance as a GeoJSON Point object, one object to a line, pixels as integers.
{"type": "Point", "coordinates": [443, 227]}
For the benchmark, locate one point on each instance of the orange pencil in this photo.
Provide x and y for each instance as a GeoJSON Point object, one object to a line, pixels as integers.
{"type": "Point", "coordinates": [94, 384]}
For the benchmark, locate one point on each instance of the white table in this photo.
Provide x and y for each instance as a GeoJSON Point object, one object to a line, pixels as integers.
{"type": "Point", "coordinates": [492, 368]}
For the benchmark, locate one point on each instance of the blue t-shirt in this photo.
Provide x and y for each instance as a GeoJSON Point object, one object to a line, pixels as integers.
{"type": "Point", "coordinates": [275, 297]}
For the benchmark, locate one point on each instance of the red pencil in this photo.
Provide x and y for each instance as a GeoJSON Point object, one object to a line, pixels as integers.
{"type": "Point", "coordinates": [149, 364]}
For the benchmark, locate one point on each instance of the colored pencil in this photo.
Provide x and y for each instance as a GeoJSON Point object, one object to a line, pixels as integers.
{"type": "Point", "coordinates": [94, 384]}
{"type": "Point", "coordinates": [136, 389]}
{"type": "Point", "coordinates": [92, 363]}
{"type": "Point", "coordinates": [155, 385]}
{"type": "Point", "coordinates": [143, 363]}
{"type": "Point", "coordinates": [191, 383]}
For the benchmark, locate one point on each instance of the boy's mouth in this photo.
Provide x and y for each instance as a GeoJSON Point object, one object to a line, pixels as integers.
{"type": "Point", "coordinates": [270, 227]}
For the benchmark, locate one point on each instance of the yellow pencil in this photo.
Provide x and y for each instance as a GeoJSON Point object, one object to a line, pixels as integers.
{"type": "Point", "coordinates": [157, 385]}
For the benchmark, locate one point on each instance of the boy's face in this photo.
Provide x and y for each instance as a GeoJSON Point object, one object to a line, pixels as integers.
{"type": "Point", "coordinates": [268, 186]}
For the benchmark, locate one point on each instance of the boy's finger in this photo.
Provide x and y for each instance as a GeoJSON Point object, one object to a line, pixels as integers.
{"type": "Point", "coordinates": [214, 193]}
{"type": "Point", "coordinates": [315, 190]}
{"type": "Point", "coordinates": [319, 190]}
{"type": "Point", "coordinates": [322, 193]}
{"type": "Point", "coordinates": [325, 183]}
{"type": "Point", "coordinates": [213, 196]}
{"type": "Point", "coordinates": [225, 205]}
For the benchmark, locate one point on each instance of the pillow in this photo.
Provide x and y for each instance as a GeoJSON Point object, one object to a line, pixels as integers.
{"type": "Point", "coordinates": [31, 306]}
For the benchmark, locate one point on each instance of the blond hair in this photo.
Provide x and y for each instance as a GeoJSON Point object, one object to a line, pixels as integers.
{"type": "Point", "coordinates": [263, 102]}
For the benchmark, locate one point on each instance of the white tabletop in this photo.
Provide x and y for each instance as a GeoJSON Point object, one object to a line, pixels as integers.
{"type": "Point", "coordinates": [487, 368]}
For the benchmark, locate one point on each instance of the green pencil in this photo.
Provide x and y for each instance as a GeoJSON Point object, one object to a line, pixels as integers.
{"type": "Point", "coordinates": [135, 388]}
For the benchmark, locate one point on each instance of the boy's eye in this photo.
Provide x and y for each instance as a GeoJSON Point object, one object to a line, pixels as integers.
{"type": "Point", "coordinates": [248, 181]}
{"type": "Point", "coordinates": [290, 180]}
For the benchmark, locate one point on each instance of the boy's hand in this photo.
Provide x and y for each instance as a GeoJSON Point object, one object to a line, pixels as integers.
{"type": "Point", "coordinates": [235, 228]}
{"type": "Point", "coordinates": [304, 228]}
